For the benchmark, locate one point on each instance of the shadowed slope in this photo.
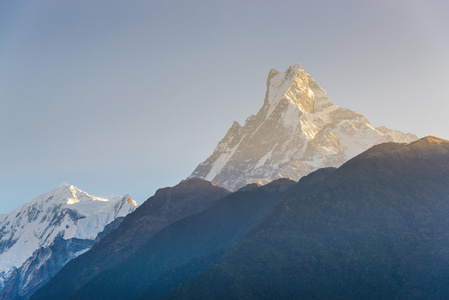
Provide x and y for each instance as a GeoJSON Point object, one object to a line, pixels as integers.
{"type": "Point", "coordinates": [165, 207]}
{"type": "Point", "coordinates": [378, 229]}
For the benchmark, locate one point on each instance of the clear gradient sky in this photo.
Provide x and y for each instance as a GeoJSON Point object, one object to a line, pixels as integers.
{"type": "Point", "coordinates": [124, 97]}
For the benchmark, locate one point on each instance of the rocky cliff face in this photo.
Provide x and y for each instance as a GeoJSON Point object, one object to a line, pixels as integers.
{"type": "Point", "coordinates": [40, 237]}
{"type": "Point", "coordinates": [297, 130]}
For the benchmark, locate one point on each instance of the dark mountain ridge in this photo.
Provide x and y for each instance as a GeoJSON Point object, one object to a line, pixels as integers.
{"type": "Point", "coordinates": [378, 229]}
{"type": "Point", "coordinates": [375, 228]}
{"type": "Point", "coordinates": [179, 251]}
{"type": "Point", "coordinates": [190, 244]}
{"type": "Point", "coordinates": [165, 207]}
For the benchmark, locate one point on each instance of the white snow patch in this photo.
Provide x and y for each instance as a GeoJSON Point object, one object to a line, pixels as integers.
{"type": "Point", "coordinates": [220, 163]}
{"type": "Point", "coordinates": [291, 115]}
{"type": "Point", "coordinates": [263, 160]}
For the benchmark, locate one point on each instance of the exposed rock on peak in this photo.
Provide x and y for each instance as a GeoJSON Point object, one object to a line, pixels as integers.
{"type": "Point", "coordinates": [297, 130]}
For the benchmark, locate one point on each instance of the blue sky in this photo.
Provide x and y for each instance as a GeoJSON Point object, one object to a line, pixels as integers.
{"type": "Point", "coordinates": [124, 97]}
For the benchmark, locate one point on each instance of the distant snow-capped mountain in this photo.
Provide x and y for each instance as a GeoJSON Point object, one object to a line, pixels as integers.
{"type": "Point", "coordinates": [65, 216]}
{"type": "Point", "coordinates": [297, 130]}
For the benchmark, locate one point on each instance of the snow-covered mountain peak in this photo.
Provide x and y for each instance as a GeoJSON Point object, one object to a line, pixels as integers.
{"type": "Point", "coordinates": [66, 211]}
{"type": "Point", "coordinates": [297, 130]}
{"type": "Point", "coordinates": [300, 93]}
{"type": "Point", "coordinates": [292, 86]}
{"type": "Point", "coordinates": [67, 194]}
{"type": "Point", "coordinates": [78, 195]}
